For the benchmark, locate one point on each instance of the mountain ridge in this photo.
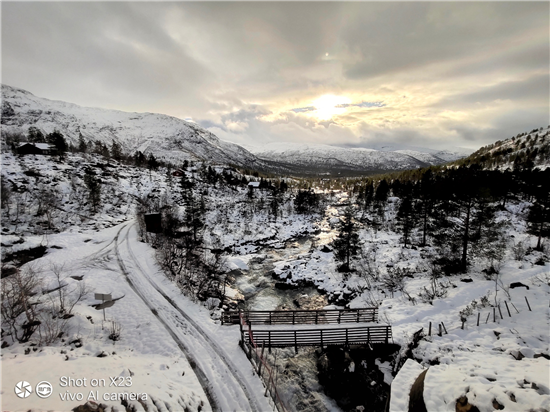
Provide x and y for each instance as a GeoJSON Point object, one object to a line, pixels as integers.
{"type": "Point", "coordinates": [175, 140]}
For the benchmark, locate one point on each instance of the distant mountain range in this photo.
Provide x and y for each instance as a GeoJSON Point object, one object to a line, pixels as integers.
{"type": "Point", "coordinates": [176, 140]}
{"type": "Point", "coordinates": [324, 159]}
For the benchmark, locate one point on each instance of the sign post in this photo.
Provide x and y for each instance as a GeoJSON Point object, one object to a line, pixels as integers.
{"type": "Point", "coordinates": [106, 299]}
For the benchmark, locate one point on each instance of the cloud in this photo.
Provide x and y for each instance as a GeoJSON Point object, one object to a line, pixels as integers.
{"type": "Point", "coordinates": [430, 73]}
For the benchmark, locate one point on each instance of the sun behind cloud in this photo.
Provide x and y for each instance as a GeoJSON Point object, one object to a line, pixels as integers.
{"type": "Point", "coordinates": [328, 106]}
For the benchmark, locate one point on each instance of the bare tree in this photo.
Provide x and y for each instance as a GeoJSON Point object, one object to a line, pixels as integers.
{"type": "Point", "coordinates": [18, 291]}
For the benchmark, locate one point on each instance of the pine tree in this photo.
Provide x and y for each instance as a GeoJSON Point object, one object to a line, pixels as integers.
{"type": "Point", "coordinates": [346, 244]}
{"type": "Point", "coordinates": [82, 145]}
{"type": "Point", "coordinates": [539, 213]}
{"type": "Point", "coordinates": [94, 189]}
{"type": "Point", "coordinates": [35, 135]}
{"type": "Point", "coordinates": [56, 138]}
{"type": "Point", "coordinates": [406, 219]}
{"type": "Point", "coordinates": [116, 151]}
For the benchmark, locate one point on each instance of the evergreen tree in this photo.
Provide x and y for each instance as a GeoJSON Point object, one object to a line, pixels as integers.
{"type": "Point", "coordinates": [382, 191]}
{"type": "Point", "coordinates": [346, 244]}
{"type": "Point", "coordinates": [139, 159]}
{"type": "Point", "coordinates": [152, 163]}
{"type": "Point", "coordinates": [116, 151]}
{"type": "Point", "coordinates": [406, 219]}
{"type": "Point", "coordinates": [94, 189]}
{"type": "Point", "coordinates": [466, 215]}
{"type": "Point", "coordinates": [82, 145]}
{"type": "Point", "coordinates": [35, 135]}
{"type": "Point", "coordinates": [539, 213]}
{"type": "Point", "coordinates": [306, 201]}
{"type": "Point", "coordinates": [56, 138]}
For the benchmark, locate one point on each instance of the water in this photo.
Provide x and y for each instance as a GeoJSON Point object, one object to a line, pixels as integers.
{"type": "Point", "coordinates": [258, 285]}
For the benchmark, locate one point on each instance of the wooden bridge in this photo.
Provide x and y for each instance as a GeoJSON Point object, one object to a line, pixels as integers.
{"type": "Point", "coordinates": [308, 335]}
{"type": "Point", "coordinates": [300, 317]}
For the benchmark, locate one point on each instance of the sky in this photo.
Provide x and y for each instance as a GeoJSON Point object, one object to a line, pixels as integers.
{"type": "Point", "coordinates": [357, 74]}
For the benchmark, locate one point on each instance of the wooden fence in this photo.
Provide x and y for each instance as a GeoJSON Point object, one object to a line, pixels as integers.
{"type": "Point", "coordinates": [294, 317]}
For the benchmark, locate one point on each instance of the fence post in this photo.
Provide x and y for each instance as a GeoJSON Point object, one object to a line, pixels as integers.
{"type": "Point", "coordinates": [440, 331]}
{"type": "Point", "coordinates": [346, 336]}
{"type": "Point", "coordinates": [293, 317]}
{"type": "Point", "coordinates": [260, 360]}
{"type": "Point", "coordinates": [508, 309]}
{"type": "Point", "coordinates": [499, 311]}
{"type": "Point", "coordinates": [387, 334]}
{"type": "Point", "coordinates": [512, 303]}
{"type": "Point", "coordinates": [358, 314]}
{"type": "Point", "coordinates": [321, 339]}
{"type": "Point", "coordinates": [295, 342]}
{"type": "Point", "coordinates": [444, 328]}
{"type": "Point", "coordinates": [494, 314]}
{"type": "Point", "coordinates": [339, 315]}
{"type": "Point", "coordinates": [269, 341]}
{"type": "Point", "coordinates": [487, 320]}
{"type": "Point", "coordinates": [316, 317]}
{"type": "Point", "coordinates": [478, 315]}
{"type": "Point", "coordinates": [430, 330]}
{"type": "Point", "coordinates": [528, 305]}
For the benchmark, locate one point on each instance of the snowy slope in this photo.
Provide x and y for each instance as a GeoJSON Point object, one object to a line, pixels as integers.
{"type": "Point", "coordinates": [332, 158]}
{"type": "Point", "coordinates": [447, 155]}
{"type": "Point", "coordinates": [165, 136]}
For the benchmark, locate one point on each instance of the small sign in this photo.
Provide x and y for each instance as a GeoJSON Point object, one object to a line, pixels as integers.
{"type": "Point", "coordinates": [103, 296]}
{"type": "Point", "coordinates": [104, 305]}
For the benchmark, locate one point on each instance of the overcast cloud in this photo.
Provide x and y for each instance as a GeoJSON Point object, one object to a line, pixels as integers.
{"type": "Point", "coordinates": [428, 74]}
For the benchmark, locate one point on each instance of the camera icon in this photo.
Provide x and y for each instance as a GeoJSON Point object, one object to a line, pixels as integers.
{"type": "Point", "coordinates": [23, 389]}
{"type": "Point", "coordinates": [44, 389]}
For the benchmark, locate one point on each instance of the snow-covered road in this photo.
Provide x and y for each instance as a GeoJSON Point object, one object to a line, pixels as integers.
{"type": "Point", "coordinates": [223, 382]}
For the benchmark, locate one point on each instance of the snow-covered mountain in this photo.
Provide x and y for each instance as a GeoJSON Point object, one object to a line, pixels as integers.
{"type": "Point", "coordinates": [447, 155]}
{"type": "Point", "coordinates": [330, 159]}
{"type": "Point", "coordinates": [176, 140]}
{"type": "Point", "coordinates": [165, 136]}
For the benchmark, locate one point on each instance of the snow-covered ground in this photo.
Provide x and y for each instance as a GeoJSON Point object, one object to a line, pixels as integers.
{"type": "Point", "coordinates": [178, 353]}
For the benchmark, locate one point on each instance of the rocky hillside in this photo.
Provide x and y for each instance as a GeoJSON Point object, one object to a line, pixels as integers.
{"type": "Point", "coordinates": [527, 149]}
{"type": "Point", "coordinates": [167, 137]}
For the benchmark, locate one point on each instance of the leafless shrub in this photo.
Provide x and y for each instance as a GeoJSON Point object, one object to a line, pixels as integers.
{"type": "Point", "coordinates": [18, 291]}
{"type": "Point", "coordinates": [519, 250]}
{"type": "Point", "coordinates": [114, 330]}
{"type": "Point", "coordinates": [52, 325]}
{"type": "Point", "coordinates": [435, 289]}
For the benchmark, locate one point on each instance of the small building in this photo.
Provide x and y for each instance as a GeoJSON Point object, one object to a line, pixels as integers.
{"type": "Point", "coordinates": [36, 148]}
{"type": "Point", "coordinates": [254, 185]}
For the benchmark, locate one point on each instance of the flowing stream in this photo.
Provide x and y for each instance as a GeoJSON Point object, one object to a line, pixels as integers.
{"type": "Point", "coordinates": [261, 289]}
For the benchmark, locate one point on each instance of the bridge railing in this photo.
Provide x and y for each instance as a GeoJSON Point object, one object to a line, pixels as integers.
{"type": "Point", "coordinates": [322, 337]}
{"type": "Point", "coordinates": [265, 372]}
{"type": "Point", "coordinates": [295, 317]}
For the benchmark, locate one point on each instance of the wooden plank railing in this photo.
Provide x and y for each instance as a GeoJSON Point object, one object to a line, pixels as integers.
{"type": "Point", "coordinates": [295, 317]}
{"type": "Point", "coordinates": [321, 337]}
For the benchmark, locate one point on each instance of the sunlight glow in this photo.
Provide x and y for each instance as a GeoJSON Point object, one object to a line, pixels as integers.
{"type": "Point", "coordinates": [328, 106]}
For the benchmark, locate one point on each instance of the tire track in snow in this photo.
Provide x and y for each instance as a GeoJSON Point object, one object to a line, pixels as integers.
{"type": "Point", "coordinates": [216, 350]}
{"type": "Point", "coordinates": [201, 376]}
